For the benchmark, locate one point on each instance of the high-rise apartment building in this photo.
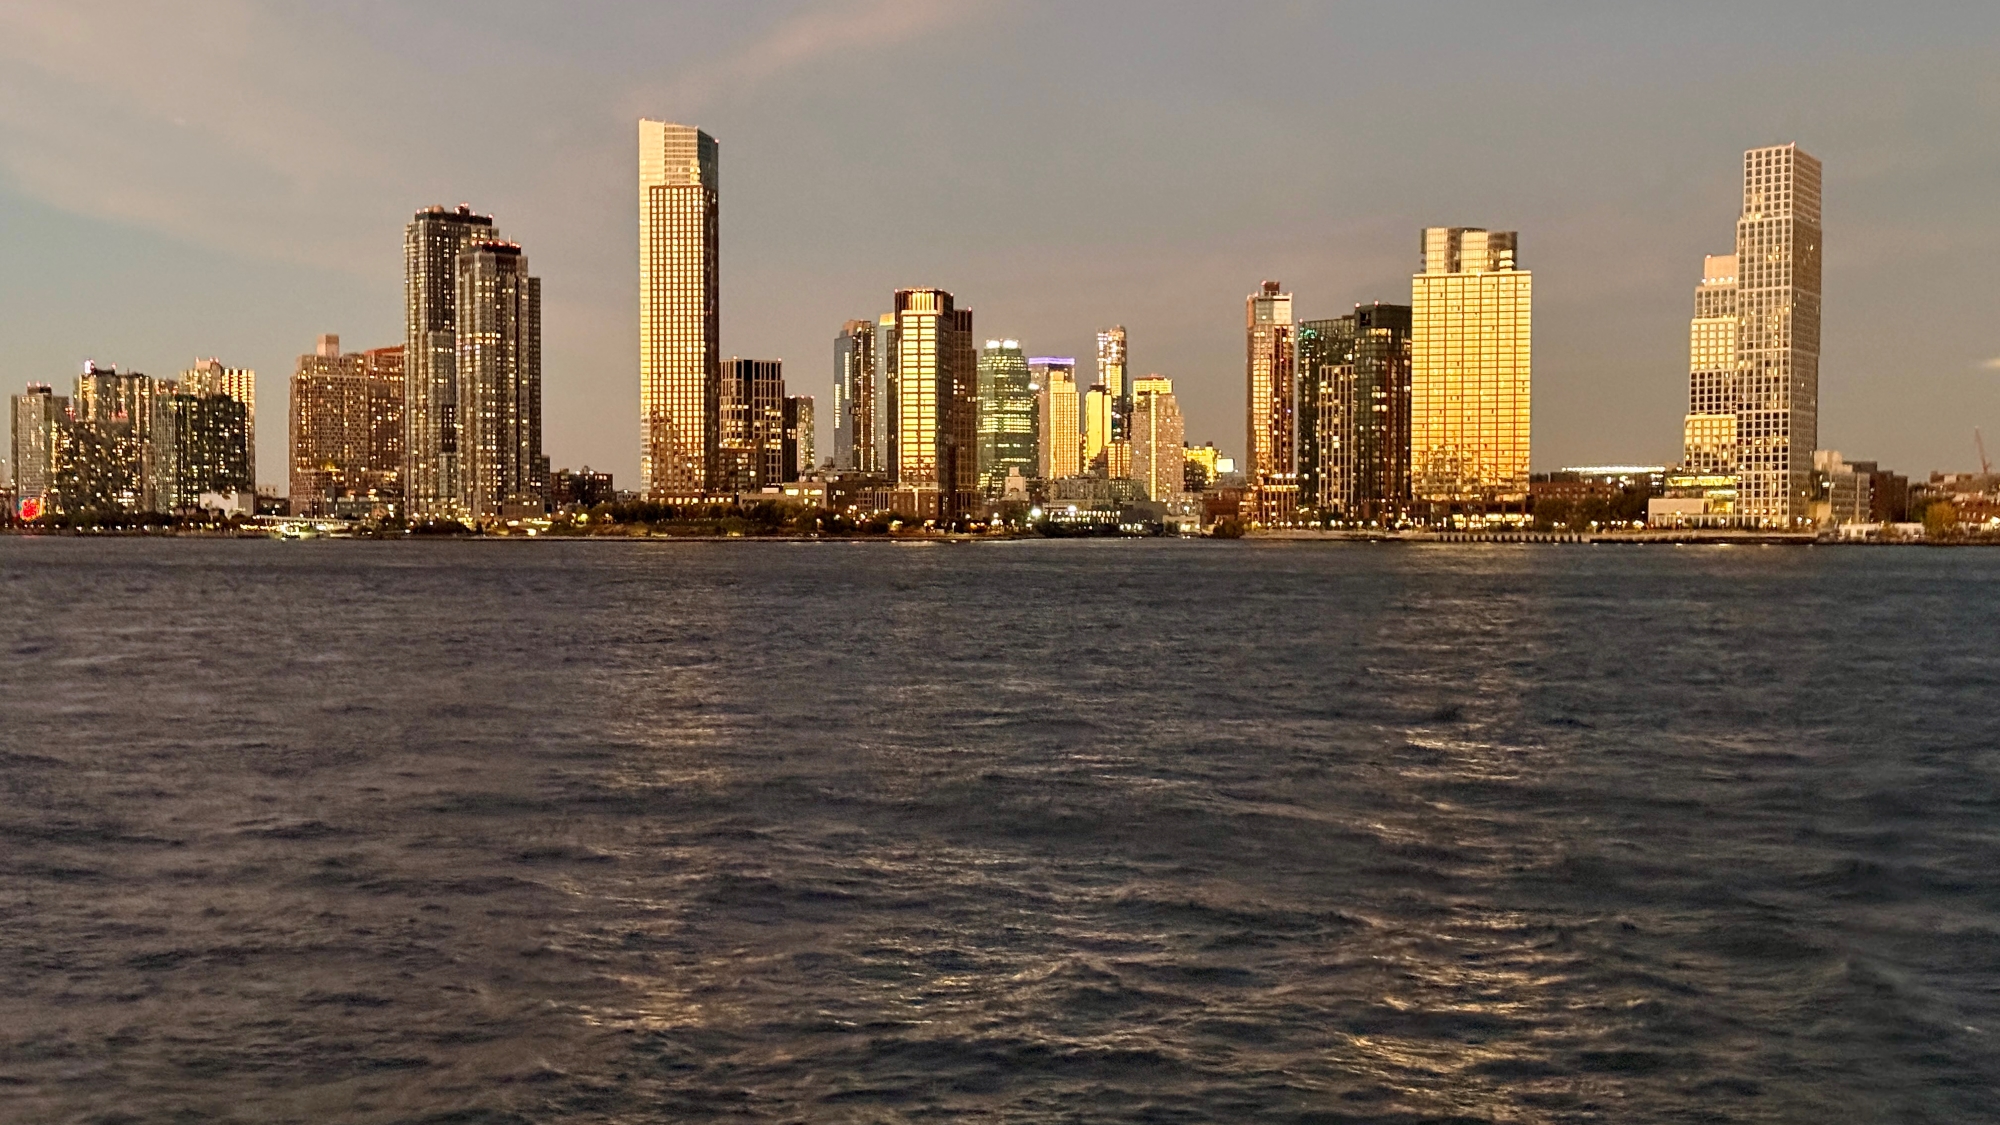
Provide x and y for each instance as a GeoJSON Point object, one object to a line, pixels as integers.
{"type": "Point", "coordinates": [500, 464]}
{"type": "Point", "coordinates": [800, 461]}
{"type": "Point", "coordinates": [1269, 366]}
{"type": "Point", "coordinates": [1061, 449]}
{"type": "Point", "coordinates": [679, 309]}
{"type": "Point", "coordinates": [858, 413]}
{"type": "Point", "coordinates": [1778, 248]}
{"type": "Point", "coordinates": [936, 423]}
{"type": "Point", "coordinates": [1470, 341]}
{"type": "Point", "coordinates": [1362, 415]}
{"type": "Point", "coordinates": [432, 425]}
{"type": "Point", "coordinates": [117, 451]}
{"type": "Point", "coordinates": [1322, 347]}
{"type": "Point", "coordinates": [210, 377]}
{"type": "Point", "coordinates": [1100, 410]}
{"type": "Point", "coordinates": [750, 425]}
{"type": "Point", "coordinates": [38, 418]}
{"type": "Point", "coordinates": [1708, 432]}
{"type": "Point", "coordinates": [1111, 375]}
{"type": "Point", "coordinates": [1159, 458]}
{"type": "Point", "coordinates": [210, 449]}
{"type": "Point", "coordinates": [346, 428]}
{"type": "Point", "coordinates": [1008, 416]}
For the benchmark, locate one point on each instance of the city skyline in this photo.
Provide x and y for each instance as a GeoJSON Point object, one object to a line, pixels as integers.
{"type": "Point", "coordinates": [1608, 324]}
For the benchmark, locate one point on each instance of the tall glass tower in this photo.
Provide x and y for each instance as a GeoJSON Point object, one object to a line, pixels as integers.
{"type": "Point", "coordinates": [431, 423]}
{"type": "Point", "coordinates": [679, 304]}
{"type": "Point", "coordinates": [1008, 422]}
{"type": "Point", "coordinates": [857, 438]}
{"type": "Point", "coordinates": [1061, 429]}
{"type": "Point", "coordinates": [1470, 341]}
{"type": "Point", "coordinates": [1272, 469]}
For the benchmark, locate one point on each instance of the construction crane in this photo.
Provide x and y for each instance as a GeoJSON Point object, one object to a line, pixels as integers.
{"type": "Point", "coordinates": [1985, 466]}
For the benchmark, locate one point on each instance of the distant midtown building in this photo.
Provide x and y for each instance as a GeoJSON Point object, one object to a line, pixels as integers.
{"type": "Point", "coordinates": [1100, 408]}
{"type": "Point", "coordinates": [800, 455]}
{"type": "Point", "coordinates": [1471, 320]}
{"type": "Point", "coordinates": [679, 310]}
{"type": "Point", "coordinates": [1199, 466]}
{"type": "Point", "coordinates": [38, 418]}
{"type": "Point", "coordinates": [1159, 461]}
{"type": "Point", "coordinates": [432, 422]}
{"type": "Point", "coordinates": [210, 377]}
{"type": "Point", "coordinates": [858, 413]}
{"type": "Point", "coordinates": [1009, 421]}
{"type": "Point", "coordinates": [934, 452]}
{"type": "Point", "coordinates": [750, 426]}
{"type": "Point", "coordinates": [346, 429]}
{"type": "Point", "coordinates": [1111, 375]}
{"type": "Point", "coordinates": [502, 471]}
{"type": "Point", "coordinates": [1061, 448]}
{"type": "Point", "coordinates": [1270, 440]}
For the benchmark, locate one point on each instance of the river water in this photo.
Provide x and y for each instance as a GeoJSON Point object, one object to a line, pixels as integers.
{"type": "Point", "coordinates": [1036, 831]}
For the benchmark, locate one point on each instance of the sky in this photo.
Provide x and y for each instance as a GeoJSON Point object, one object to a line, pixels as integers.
{"type": "Point", "coordinates": [231, 178]}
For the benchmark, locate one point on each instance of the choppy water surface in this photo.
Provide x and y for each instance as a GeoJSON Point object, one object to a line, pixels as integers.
{"type": "Point", "coordinates": [1052, 831]}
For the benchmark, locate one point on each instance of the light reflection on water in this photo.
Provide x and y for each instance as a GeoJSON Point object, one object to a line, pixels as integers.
{"type": "Point", "coordinates": [1034, 831]}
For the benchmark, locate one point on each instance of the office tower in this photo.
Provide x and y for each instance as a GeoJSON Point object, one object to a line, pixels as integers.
{"type": "Point", "coordinates": [1201, 465]}
{"type": "Point", "coordinates": [1322, 347]}
{"type": "Point", "coordinates": [1708, 433]}
{"type": "Point", "coordinates": [38, 418]}
{"type": "Point", "coordinates": [346, 427]}
{"type": "Point", "coordinates": [1100, 407]}
{"type": "Point", "coordinates": [800, 461]}
{"type": "Point", "coordinates": [857, 400]}
{"type": "Point", "coordinates": [750, 425]}
{"type": "Point", "coordinates": [1062, 442]}
{"type": "Point", "coordinates": [1470, 337]}
{"type": "Point", "coordinates": [680, 337]}
{"type": "Point", "coordinates": [936, 403]}
{"type": "Point", "coordinates": [117, 451]}
{"type": "Point", "coordinates": [1159, 458]}
{"type": "Point", "coordinates": [1778, 246]}
{"type": "Point", "coordinates": [432, 424]}
{"type": "Point", "coordinates": [211, 447]}
{"type": "Point", "coordinates": [1111, 375]}
{"type": "Point", "coordinates": [210, 377]}
{"type": "Point", "coordinates": [1272, 469]}
{"type": "Point", "coordinates": [1008, 416]}
{"type": "Point", "coordinates": [1371, 404]}
{"type": "Point", "coordinates": [500, 464]}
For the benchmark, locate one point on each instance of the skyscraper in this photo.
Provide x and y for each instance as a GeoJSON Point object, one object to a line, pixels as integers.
{"type": "Point", "coordinates": [679, 309]}
{"type": "Point", "coordinates": [857, 438]}
{"type": "Point", "coordinates": [936, 403]}
{"type": "Point", "coordinates": [1778, 247]}
{"type": "Point", "coordinates": [1369, 404]}
{"type": "Point", "coordinates": [499, 366]}
{"type": "Point", "coordinates": [210, 377]}
{"type": "Point", "coordinates": [432, 425]}
{"type": "Point", "coordinates": [1272, 469]}
{"type": "Point", "coordinates": [1471, 318]}
{"type": "Point", "coordinates": [1100, 409]}
{"type": "Point", "coordinates": [1111, 375]}
{"type": "Point", "coordinates": [1061, 442]}
{"type": "Point", "coordinates": [799, 444]}
{"type": "Point", "coordinates": [1323, 349]}
{"type": "Point", "coordinates": [346, 427]}
{"type": "Point", "coordinates": [750, 425]}
{"type": "Point", "coordinates": [117, 452]}
{"type": "Point", "coordinates": [1708, 433]}
{"type": "Point", "coordinates": [211, 451]}
{"type": "Point", "coordinates": [38, 418]}
{"type": "Point", "coordinates": [1008, 416]}
{"type": "Point", "coordinates": [1159, 460]}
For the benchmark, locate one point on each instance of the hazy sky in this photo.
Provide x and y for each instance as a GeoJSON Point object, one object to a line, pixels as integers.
{"type": "Point", "coordinates": [231, 177]}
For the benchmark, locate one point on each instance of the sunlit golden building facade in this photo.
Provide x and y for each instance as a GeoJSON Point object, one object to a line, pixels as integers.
{"type": "Point", "coordinates": [1111, 375]}
{"type": "Point", "coordinates": [346, 428]}
{"type": "Point", "coordinates": [1708, 431]}
{"type": "Point", "coordinates": [1159, 457]}
{"type": "Point", "coordinates": [1778, 248]}
{"type": "Point", "coordinates": [1472, 312]}
{"type": "Point", "coordinates": [935, 455]}
{"type": "Point", "coordinates": [1271, 440]}
{"type": "Point", "coordinates": [1061, 452]}
{"type": "Point", "coordinates": [679, 305]}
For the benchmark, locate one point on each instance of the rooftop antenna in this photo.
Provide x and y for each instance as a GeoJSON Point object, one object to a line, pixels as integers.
{"type": "Point", "coordinates": [1985, 466]}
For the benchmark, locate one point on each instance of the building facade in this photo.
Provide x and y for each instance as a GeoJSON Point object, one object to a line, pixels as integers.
{"type": "Point", "coordinates": [1159, 456]}
{"type": "Point", "coordinates": [1470, 374]}
{"type": "Point", "coordinates": [1061, 448]}
{"type": "Point", "coordinates": [501, 469]}
{"type": "Point", "coordinates": [800, 452]}
{"type": "Point", "coordinates": [679, 309]}
{"type": "Point", "coordinates": [1111, 375]}
{"type": "Point", "coordinates": [857, 400]}
{"type": "Point", "coordinates": [1778, 251]}
{"type": "Point", "coordinates": [210, 377]}
{"type": "Point", "coordinates": [936, 424]}
{"type": "Point", "coordinates": [116, 454]}
{"type": "Point", "coordinates": [750, 425]}
{"type": "Point", "coordinates": [346, 428]}
{"type": "Point", "coordinates": [1708, 431]}
{"type": "Point", "coordinates": [38, 418]}
{"type": "Point", "coordinates": [432, 427]}
{"type": "Point", "coordinates": [211, 448]}
{"type": "Point", "coordinates": [1009, 421]}
{"type": "Point", "coordinates": [1365, 407]}
{"type": "Point", "coordinates": [1323, 352]}
{"type": "Point", "coordinates": [1269, 368]}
